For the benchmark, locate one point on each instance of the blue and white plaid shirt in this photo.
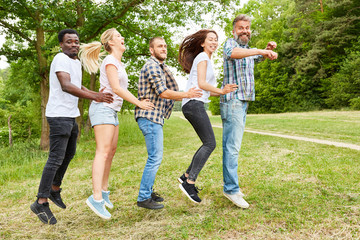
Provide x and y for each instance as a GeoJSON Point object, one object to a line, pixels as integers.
{"type": "Point", "coordinates": [154, 79]}
{"type": "Point", "coordinates": [240, 72]}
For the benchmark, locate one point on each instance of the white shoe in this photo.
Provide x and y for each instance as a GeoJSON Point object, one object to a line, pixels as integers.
{"type": "Point", "coordinates": [237, 199]}
{"type": "Point", "coordinates": [241, 194]}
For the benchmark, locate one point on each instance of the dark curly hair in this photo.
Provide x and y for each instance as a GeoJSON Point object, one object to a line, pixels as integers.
{"type": "Point", "coordinates": [65, 31]}
{"type": "Point", "coordinates": [191, 47]}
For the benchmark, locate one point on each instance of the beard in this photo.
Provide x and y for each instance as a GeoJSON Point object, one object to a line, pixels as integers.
{"type": "Point", "coordinates": [241, 41]}
{"type": "Point", "coordinates": [159, 57]}
{"type": "Point", "coordinates": [71, 54]}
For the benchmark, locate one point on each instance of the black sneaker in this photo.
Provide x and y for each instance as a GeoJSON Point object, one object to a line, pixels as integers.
{"type": "Point", "coordinates": [43, 212]}
{"type": "Point", "coordinates": [156, 197]}
{"type": "Point", "coordinates": [150, 204]}
{"type": "Point", "coordinates": [56, 198]}
{"type": "Point", "coordinates": [190, 191]}
{"type": "Point", "coordinates": [182, 178]}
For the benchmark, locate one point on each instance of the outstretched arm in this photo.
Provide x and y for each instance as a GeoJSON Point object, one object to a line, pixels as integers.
{"type": "Point", "coordinates": [112, 75]}
{"type": "Point", "coordinates": [174, 95]}
{"type": "Point", "coordinates": [214, 91]}
{"type": "Point", "coordinates": [239, 53]}
{"type": "Point", "coordinates": [67, 86]}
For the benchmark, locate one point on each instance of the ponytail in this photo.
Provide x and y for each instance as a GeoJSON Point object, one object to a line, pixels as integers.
{"type": "Point", "coordinates": [89, 56]}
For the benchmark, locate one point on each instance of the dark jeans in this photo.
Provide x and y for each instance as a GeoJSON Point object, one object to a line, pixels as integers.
{"type": "Point", "coordinates": [194, 112]}
{"type": "Point", "coordinates": [63, 135]}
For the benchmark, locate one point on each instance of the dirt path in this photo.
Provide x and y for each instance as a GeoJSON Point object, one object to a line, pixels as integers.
{"type": "Point", "coordinates": [326, 142]}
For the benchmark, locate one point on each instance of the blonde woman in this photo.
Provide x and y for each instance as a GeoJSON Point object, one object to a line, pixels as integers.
{"type": "Point", "coordinates": [103, 116]}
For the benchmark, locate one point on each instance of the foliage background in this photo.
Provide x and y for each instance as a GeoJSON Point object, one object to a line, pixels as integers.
{"type": "Point", "coordinates": [318, 48]}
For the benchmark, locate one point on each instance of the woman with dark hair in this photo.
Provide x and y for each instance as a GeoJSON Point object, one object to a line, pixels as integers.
{"type": "Point", "coordinates": [195, 58]}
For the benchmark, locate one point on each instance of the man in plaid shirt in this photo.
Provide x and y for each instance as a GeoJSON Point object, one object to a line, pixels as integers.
{"type": "Point", "coordinates": [239, 62]}
{"type": "Point", "coordinates": [157, 84]}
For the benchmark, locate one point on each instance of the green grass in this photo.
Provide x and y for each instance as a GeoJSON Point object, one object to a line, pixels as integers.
{"type": "Point", "coordinates": [296, 189]}
{"type": "Point", "coordinates": [342, 126]}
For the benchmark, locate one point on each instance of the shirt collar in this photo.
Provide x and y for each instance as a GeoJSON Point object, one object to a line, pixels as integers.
{"type": "Point", "coordinates": [157, 61]}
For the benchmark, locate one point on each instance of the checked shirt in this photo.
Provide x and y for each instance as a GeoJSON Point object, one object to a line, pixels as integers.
{"type": "Point", "coordinates": [154, 79]}
{"type": "Point", "coordinates": [240, 72]}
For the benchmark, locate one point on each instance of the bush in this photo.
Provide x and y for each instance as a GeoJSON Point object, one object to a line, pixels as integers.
{"type": "Point", "coordinates": [355, 103]}
{"type": "Point", "coordinates": [214, 105]}
{"type": "Point", "coordinates": [345, 84]}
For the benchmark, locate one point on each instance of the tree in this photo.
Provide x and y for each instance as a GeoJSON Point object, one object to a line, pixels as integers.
{"type": "Point", "coordinates": [33, 26]}
{"type": "Point", "coordinates": [313, 44]}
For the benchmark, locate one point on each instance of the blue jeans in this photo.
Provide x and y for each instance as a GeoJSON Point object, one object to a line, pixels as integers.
{"type": "Point", "coordinates": [194, 111]}
{"type": "Point", "coordinates": [233, 115]}
{"type": "Point", "coordinates": [154, 140]}
{"type": "Point", "coordinates": [63, 136]}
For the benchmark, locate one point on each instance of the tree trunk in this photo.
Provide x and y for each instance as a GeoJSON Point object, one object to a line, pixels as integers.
{"type": "Point", "coordinates": [321, 6]}
{"type": "Point", "coordinates": [92, 88]}
{"type": "Point", "coordinates": [80, 23]}
{"type": "Point", "coordinates": [45, 131]}
{"type": "Point", "coordinates": [10, 132]}
{"type": "Point", "coordinates": [79, 120]}
{"type": "Point", "coordinates": [44, 81]}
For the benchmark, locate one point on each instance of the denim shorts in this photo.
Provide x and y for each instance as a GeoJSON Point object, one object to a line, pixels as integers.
{"type": "Point", "coordinates": [100, 114]}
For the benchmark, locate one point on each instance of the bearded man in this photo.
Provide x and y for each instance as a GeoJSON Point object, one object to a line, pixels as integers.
{"type": "Point", "coordinates": [156, 83]}
{"type": "Point", "coordinates": [239, 61]}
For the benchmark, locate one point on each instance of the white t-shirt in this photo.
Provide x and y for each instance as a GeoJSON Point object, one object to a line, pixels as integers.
{"type": "Point", "coordinates": [193, 78]}
{"type": "Point", "coordinates": [105, 84]}
{"type": "Point", "coordinates": [60, 103]}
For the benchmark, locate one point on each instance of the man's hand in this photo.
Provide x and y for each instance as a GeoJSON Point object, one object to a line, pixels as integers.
{"type": "Point", "coordinates": [229, 88]}
{"type": "Point", "coordinates": [103, 97]}
{"type": "Point", "coordinates": [194, 93]}
{"type": "Point", "coordinates": [271, 46]}
{"type": "Point", "coordinates": [269, 54]}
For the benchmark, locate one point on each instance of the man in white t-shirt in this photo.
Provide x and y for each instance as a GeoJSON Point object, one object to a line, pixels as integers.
{"type": "Point", "coordinates": [61, 111]}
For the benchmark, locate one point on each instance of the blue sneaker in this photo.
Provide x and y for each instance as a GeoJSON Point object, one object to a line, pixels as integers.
{"type": "Point", "coordinates": [105, 196]}
{"type": "Point", "coordinates": [98, 207]}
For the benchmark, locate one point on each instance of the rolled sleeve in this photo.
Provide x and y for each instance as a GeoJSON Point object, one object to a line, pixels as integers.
{"type": "Point", "coordinates": [157, 80]}
{"type": "Point", "coordinates": [229, 46]}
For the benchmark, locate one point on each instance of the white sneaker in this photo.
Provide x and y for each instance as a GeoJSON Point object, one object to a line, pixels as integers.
{"type": "Point", "coordinates": [237, 199]}
{"type": "Point", "coordinates": [241, 194]}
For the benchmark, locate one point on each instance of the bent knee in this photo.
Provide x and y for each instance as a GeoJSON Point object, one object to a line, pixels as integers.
{"type": "Point", "coordinates": [211, 145]}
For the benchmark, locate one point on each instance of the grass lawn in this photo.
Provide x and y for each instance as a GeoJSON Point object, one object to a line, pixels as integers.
{"type": "Point", "coordinates": [296, 189]}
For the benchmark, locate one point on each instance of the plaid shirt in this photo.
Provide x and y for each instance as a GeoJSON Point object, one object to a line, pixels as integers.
{"type": "Point", "coordinates": [240, 72]}
{"type": "Point", "coordinates": [154, 79]}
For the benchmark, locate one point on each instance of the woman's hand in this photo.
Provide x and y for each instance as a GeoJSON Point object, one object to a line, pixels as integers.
{"type": "Point", "coordinates": [146, 104]}
{"type": "Point", "coordinates": [229, 88]}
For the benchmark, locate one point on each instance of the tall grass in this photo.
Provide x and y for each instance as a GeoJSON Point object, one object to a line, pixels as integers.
{"type": "Point", "coordinates": [296, 190]}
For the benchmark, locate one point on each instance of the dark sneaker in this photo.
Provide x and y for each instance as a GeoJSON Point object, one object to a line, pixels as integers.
{"type": "Point", "coordinates": [182, 178]}
{"type": "Point", "coordinates": [190, 191]}
{"type": "Point", "coordinates": [150, 204]}
{"type": "Point", "coordinates": [156, 197]}
{"type": "Point", "coordinates": [56, 198]}
{"type": "Point", "coordinates": [43, 212]}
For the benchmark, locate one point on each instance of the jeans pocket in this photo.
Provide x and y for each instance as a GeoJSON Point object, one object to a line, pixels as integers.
{"type": "Point", "coordinates": [224, 110]}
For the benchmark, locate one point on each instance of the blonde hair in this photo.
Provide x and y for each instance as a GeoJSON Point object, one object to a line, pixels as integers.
{"type": "Point", "coordinates": [90, 53]}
